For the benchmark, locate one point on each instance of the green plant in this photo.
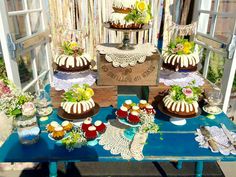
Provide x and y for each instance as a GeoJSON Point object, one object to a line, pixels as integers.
{"type": "Point", "coordinates": [141, 14]}
{"type": "Point", "coordinates": [2, 69]}
{"type": "Point", "coordinates": [71, 48]}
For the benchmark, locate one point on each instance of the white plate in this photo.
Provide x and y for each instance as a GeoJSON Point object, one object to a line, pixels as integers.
{"type": "Point", "coordinates": [211, 112]}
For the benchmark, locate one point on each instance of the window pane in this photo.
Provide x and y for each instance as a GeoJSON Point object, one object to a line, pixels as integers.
{"type": "Point", "coordinates": [17, 25]}
{"type": "Point", "coordinates": [35, 22]}
{"type": "Point", "coordinates": [15, 5]}
{"type": "Point", "coordinates": [224, 28]}
{"type": "Point", "coordinates": [25, 68]}
{"type": "Point", "coordinates": [227, 6]}
{"type": "Point", "coordinates": [204, 25]}
{"type": "Point", "coordinates": [33, 4]}
{"type": "Point", "coordinates": [41, 62]}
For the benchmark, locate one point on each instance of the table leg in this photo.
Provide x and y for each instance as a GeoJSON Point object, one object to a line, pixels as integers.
{"type": "Point", "coordinates": [199, 168]}
{"type": "Point", "coordinates": [52, 169]}
{"type": "Point", "coordinates": [179, 164]}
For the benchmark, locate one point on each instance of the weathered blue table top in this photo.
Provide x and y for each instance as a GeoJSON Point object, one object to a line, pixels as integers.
{"type": "Point", "coordinates": [174, 143]}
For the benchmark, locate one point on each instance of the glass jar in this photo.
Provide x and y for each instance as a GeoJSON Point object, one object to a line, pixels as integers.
{"type": "Point", "coordinates": [28, 129]}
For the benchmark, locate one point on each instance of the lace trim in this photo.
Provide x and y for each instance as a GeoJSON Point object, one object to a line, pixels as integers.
{"type": "Point", "coordinates": [119, 58]}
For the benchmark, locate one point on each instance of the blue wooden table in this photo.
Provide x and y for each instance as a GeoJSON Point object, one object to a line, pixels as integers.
{"type": "Point", "coordinates": [175, 143]}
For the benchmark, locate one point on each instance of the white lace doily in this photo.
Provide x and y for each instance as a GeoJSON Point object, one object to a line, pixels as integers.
{"type": "Point", "coordinates": [221, 140]}
{"type": "Point", "coordinates": [182, 79]}
{"type": "Point", "coordinates": [63, 81]}
{"type": "Point", "coordinates": [114, 141]}
{"type": "Point", "coordinates": [121, 58]}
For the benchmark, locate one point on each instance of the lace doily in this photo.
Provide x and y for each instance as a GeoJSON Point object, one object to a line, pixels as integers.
{"type": "Point", "coordinates": [63, 81]}
{"type": "Point", "coordinates": [221, 140]}
{"type": "Point", "coordinates": [121, 58]}
{"type": "Point", "coordinates": [182, 79]}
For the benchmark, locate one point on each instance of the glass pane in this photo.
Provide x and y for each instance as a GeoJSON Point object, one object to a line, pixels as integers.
{"type": "Point", "coordinates": [25, 68]}
{"type": "Point", "coordinates": [203, 20]}
{"type": "Point", "coordinates": [15, 5]}
{"type": "Point", "coordinates": [207, 5]}
{"type": "Point", "coordinates": [224, 28]}
{"type": "Point", "coordinates": [35, 22]}
{"type": "Point", "coordinates": [33, 4]}
{"type": "Point", "coordinates": [41, 62]}
{"type": "Point", "coordinates": [17, 25]}
{"type": "Point", "coordinates": [227, 6]}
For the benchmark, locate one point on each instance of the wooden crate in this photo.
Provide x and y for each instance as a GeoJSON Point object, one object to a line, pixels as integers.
{"type": "Point", "coordinates": [142, 74]}
{"type": "Point", "coordinates": [103, 95]}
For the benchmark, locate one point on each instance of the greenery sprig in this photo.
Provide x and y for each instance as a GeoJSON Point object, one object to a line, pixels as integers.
{"type": "Point", "coordinates": [180, 46]}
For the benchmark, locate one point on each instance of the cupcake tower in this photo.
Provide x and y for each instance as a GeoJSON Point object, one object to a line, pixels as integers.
{"type": "Point", "coordinates": [131, 112]}
{"type": "Point", "coordinates": [91, 131]}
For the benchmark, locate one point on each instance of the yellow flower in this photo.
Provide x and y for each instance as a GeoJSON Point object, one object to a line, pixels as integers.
{"type": "Point", "coordinates": [147, 18]}
{"type": "Point", "coordinates": [74, 45]}
{"type": "Point", "coordinates": [90, 91]}
{"type": "Point", "coordinates": [186, 50]}
{"type": "Point", "coordinates": [187, 45]}
{"type": "Point", "coordinates": [141, 6]}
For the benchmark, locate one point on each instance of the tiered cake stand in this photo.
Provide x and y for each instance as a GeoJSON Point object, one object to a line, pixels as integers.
{"type": "Point", "coordinates": [126, 40]}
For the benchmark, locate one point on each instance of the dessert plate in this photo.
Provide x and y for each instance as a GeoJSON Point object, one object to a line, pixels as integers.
{"type": "Point", "coordinates": [62, 114]}
{"type": "Point", "coordinates": [125, 122]}
{"type": "Point", "coordinates": [211, 111]}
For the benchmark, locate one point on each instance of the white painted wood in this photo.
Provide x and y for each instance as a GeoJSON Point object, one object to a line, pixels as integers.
{"type": "Point", "coordinates": [206, 63]}
{"type": "Point", "coordinates": [11, 64]}
{"type": "Point", "coordinates": [22, 12]}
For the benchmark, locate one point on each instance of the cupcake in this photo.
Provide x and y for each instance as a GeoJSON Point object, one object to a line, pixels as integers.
{"type": "Point", "coordinates": [58, 133]}
{"type": "Point", "coordinates": [134, 118]}
{"type": "Point", "coordinates": [135, 108]}
{"type": "Point", "coordinates": [100, 126]}
{"type": "Point", "coordinates": [86, 124]}
{"type": "Point", "coordinates": [128, 104]}
{"type": "Point", "coordinates": [67, 126]}
{"type": "Point", "coordinates": [91, 133]}
{"type": "Point", "coordinates": [149, 109]}
{"type": "Point", "coordinates": [51, 127]}
{"type": "Point", "coordinates": [142, 104]}
{"type": "Point", "coordinates": [122, 112]}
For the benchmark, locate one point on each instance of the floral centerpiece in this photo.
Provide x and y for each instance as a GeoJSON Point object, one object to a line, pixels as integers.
{"type": "Point", "coordinates": [140, 14]}
{"type": "Point", "coordinates": [188, 94]}
{"type": "Point", "coordinates": [71, 48]}
{"type": "Point", "coordinates": [180, 46]}
{"type": "Point", "coordinates": [78, 93]}
{"type": "Point", "coordinates": [12, 99]}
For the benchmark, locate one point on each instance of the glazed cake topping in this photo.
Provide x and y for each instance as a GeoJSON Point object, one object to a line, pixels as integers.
{"type": "Point", "coordinates": [123, 108]}
{"type": "Point", "coordinates": [149, 106]}
{"type": "Point", "coordinates": [143, 102]}
{"type": "Point", "coordinates": [65, 123]}
{"type": "Point", "coordinates": [135, 108]}
{"type": "Point", "coordinates": [135, 113]}
{"type": "Point", "coordinates": [124, 3]}
{"type": "Point", "coordinates": [87, 121]}
{"type": "Point", "coordinates": [128, 102]}
{"type": "Point", "coordinates": [54, 124]}
{"type": "Point", "coordinates": [92, 128]}
{"type": "Point", "coordinates": [59, 128]}
{"type": "Point", "coordinates": [98, 123]}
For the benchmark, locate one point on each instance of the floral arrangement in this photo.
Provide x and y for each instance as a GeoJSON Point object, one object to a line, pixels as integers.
{"type": "Point", "coordinates": [140, 14]}
{"type": "Point", "coordinates": [189, 93]}
{"type": "Point", "coordinates": [71, 48]}
{"type": "Point", "coordinates": [78, 93]}
{"type": "Point", "coordinates": [12, 99]}
{"type": "Point", "coordinates": [180, 46]}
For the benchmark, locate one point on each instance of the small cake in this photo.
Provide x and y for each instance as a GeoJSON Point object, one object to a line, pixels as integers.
{"type": "Point", "coordinates": [78, 100]}
{"type": "Point", "coordinates": [130, 14]}
{"type": "Point", "coordinates": [180, 56]}
{"type": "Point", "coordinates": [86, 124]}
{"type": "Point", "coordinates": [134, 118]}
{"type": "Point", "coordinates": [135, 108]}
{"type": "Point", "coordinates": [100, 126]}
{"type": "Point", "coordinates": [67, 126]}
{"type": "Point", "coordinates": [182, 101]}
{"type": "Point", "coordinates": [128, 104]}
{"type": "Point", "coordinates": [91, 133]}
{"type": "Point", "coordinates": [122, 112]}
{"type": "Point", "coordinates": [51, 127]}
{"type": "Point", "coordinates": [142, 104]}
{"type": "Point", "coordinates": [149, 109]}
{"type": "Point", "coordinates": [58, 133]}
{"type": "Point", "coordinates": [73, 59]}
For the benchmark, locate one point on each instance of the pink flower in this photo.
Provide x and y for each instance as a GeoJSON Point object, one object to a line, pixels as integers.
{"type": "Point", "coordinates": [175, 50]}
{"type": "Point", "coordinates": [179, 46]}
{"type": "Point", "coordinates": [28, 109]}
{"type": "Point", "coordinates": [187, 92]}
